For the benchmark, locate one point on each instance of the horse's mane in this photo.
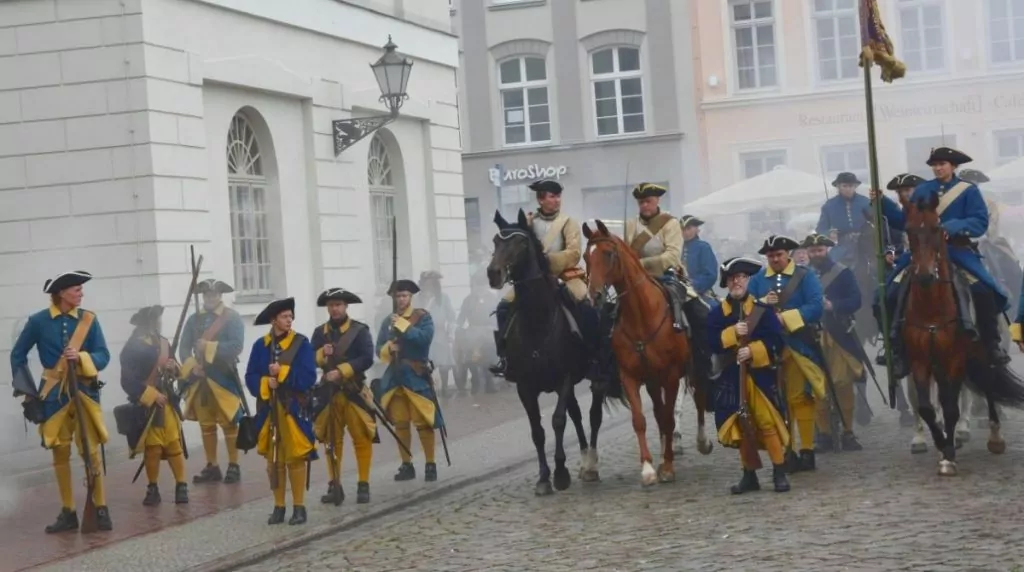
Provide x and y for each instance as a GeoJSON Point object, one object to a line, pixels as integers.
{"type": "Point", "coordinates": [537, 248]}
{"type": "Point", "coordinates": [630, 257]}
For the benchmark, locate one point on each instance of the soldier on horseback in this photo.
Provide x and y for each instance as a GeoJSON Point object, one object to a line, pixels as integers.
{"type": "Point", "coordinates": [560, 236]}
{"type": "Point", "coordinates": [659, 245]}
{"type": "Point", "coordinates": [964, 216]}
{"type": "Point", "coordinates": [903, 185]}
{"type": "Point", "coordinates": [698, 259]}
{"type": "Point", "coordinates": [840, 344]}
{"type": "Point", "coordinates": [843, 217]}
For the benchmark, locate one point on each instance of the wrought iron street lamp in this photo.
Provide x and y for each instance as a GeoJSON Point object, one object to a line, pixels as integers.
{"type": "Point", "coordinates": [392, 73]}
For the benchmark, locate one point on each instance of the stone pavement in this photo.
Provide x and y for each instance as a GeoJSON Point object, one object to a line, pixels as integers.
{"type": "Point", "coordinates": [879, 509]}
{"type": "Point", "coordinates": [26, 510]}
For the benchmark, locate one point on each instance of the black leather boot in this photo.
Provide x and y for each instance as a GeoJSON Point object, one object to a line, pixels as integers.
{"type": "Point", "coordinates": [406, 472]}
{"type": "Point", "coordinates": [276, 517]}
{"type": "Point", "coordinates": [807, 461]}
{"type": "Point", "coordinates": [748, 483]}
{"type": "Point", "coordinates": [501, 316]}
{"type": "Point", "coordinates": [66, 521]}
{"type": "Point", "coordinates": [233, 474]}
{"type": "Point", "coordinates": [152, 495]}
{"type": "Point", "coordinates": [988, 326]}
{"type": "Point", "coordinates": [430, 472]}
{"type": "Point", "coordinates": [103, 521]}
{"type": "Point", "coordinates": [850, 442]}
{"type": "Point", "coordinates": [779, 479]}
{"type": "Point", "coordinates": [792, 463]}
{"type": "Point", "coordinates": [823, 443]}
{"type": "Point", "coordinates": [362, 492]}
{"type": "Point", "coordinates": [335, 494]}
{"type": "Point", "coordinates": [181, 493]}
{"type": "Point", "coordinates": [209, 474]}
{"type": "Point", "coordinates": [298, 515]}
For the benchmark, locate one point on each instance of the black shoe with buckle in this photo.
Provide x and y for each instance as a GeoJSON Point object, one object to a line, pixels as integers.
{"type": "Point", "coordinates": [779, 479]}
{"type": "Point", "coordinates": [152, 495]}
{"type": "Point", "coordinates": [807, 460]}
{"type": "Point", "coordinates": [362, 492]}
{"type": "Point", "coordinates": [276, 517]}
{"type": "Point", "coordinates": [66, 521]}
{"type": "Point", "coordinates": [209, 474]}
{"type": "Point", "coordinates": [850, 443]}
{"type": "Point", "coordinates": [406, 472]}
{"type": "Point", "coordinates": [181, 493]}
{"type": "Point", "coordinates": [233, 474]}
{"type": "Point", "coordinates": [103, 521]}
{"type": "Point", "coordinates": [748, 483]}
{"type": "Point", "coordinates": [298, 515]}
{"type": "Point", "coordinates": [335, 494]}
{"type": "Point", "coordinates": [430, 472]}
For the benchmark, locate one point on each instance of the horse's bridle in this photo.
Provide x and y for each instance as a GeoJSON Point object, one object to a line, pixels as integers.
{"type": "Point", "coordinates": [506, 234]}
{"type": "Point", "coordinates": [616, 261]}
{"type": "Point", "coordinates": [935, 237]}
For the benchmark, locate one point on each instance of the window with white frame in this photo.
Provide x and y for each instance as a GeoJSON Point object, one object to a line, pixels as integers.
{"type": "Point", "coordinates": [618, 90]}
{"type": "Point", "coordinates": [247, 187]}
{"type": "Point", "coordinates": [924, 44]}
{"type": "Point", "coordinates": [1009, 145]}
{"type": "Point", "coordinates": [849, 158]}
{"type": "Point", "coordinates": [760, 162]}
{"type": "Point", "coordinates": [382, 210]}
{"type": "Point", "coordinates": [1006, 30]}
{"type": "Point", "coordinates": [524, 100]}
{"type": "Point", "coordinates": [753, 33]}
{"type": "Point", "coordinates": [837, 34]}
{"type": "Point", "coordinates": [919, 148]}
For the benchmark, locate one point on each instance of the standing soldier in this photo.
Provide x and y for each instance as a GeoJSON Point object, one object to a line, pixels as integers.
{"type": "Point", "coordinates": [146, 370]}
{"type": "Point", "coordinates": [441, 310]}
{"type": "Point", "coordinates": [839, 341]}
{"type": "Point", "coordinates": [280, 374]}
{"type": "Point", "coordinates": [795, 293]}
{"type": "Point", "coordinates": [740, 316]}
{"type": "Point", "coordinates": [560, 235]}
{"type": "Point", "coordinates": [405, 390]}
{"type": "Point", "coordinates": [659, 245]}
{"type": "Point", "coordinates": [65, 334]}
{"type": "Point", "coordinates": [344, 350]}
{"type": "Point", "coordinates": [843, 216]}
{"type": "Point", "coordinates": [211, 342]}
{"type": "Point", "coordinates": [473, 320]}
{"type": "Point", "coordinates": [698, 259]}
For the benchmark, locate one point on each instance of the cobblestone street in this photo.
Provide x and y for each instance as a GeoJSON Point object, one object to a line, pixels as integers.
{"type": "Point", "coordinates": [879, 509]}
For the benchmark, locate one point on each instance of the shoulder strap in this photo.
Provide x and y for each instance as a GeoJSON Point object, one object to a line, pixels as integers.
{"type": "Point", "coordinates": [216, 326]}
{"type": "Point", "coordinates": [951, 195]}
{"type": "Point", "coordinates": [798, 275]}
{"type": "Point", "coordinates": [416, 316]}
{"type": "Point", "coordinates": [289, 354]}
{"type": "Point", "coordinates": [81, 330]}
{"type": "Point", "coordinates": [553, 231]}
{"type": "Point", "coordinates": [829, 277]}
{"type": "Point", "coordinates": [645, 234]}
{"type": "Point", "coordinates": [161, 358]}
{"type": "Point", "coordinates": [345, 341]}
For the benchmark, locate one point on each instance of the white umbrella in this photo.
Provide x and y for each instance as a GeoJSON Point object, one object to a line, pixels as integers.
{"type": "Point", "coordinates": [781, 188]}
{"type": "Point", "coordinates": [1012, 171]}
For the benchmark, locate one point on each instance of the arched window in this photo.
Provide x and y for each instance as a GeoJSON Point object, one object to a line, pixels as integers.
{"type": "Point", "coordinates": [524, 100]}
{"type": "Point", "coordinates": [382, 209]}
{"type": "Point", "coordinates": [247, 186]}
{"type": "Point", "coordinates": [618, 91]}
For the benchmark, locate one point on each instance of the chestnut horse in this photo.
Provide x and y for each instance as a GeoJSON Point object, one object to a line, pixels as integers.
{"type": "Point", "coordinates": [648, 351]}
{"type": "Point", "coordinates": [935, 343]}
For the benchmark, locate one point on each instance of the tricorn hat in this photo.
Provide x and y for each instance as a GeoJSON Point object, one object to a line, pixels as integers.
{"type": "Point", "coordinates": [430, 275]}
{"type": "Point", "coordinates": [339, 295]}
{"type": "Point", "coordinates": [689, 220]}
{"type": "Point", "coordinates": [644, 190]}
{"type": "Point", "coordinates": [778, 242]}
{"type": "Point", "coordinates": [737, 265]}
{"type": "Point", "coordinates": [66, 280]}
{"type": "Point", "coordinates": [974, 176]}
{"type": "Point", "coordinates": [403, 286]}
{"type": "Point", "coordinates": [273, 309]}
{"type": "Point", "coordinates": [845, 178]}
{"type": "Point", "coordinates": [147, 315]}
{"type": "Point", "coordinates": [890, 249]}
{"type": "Point", "coordinates": [815, 239]}
{"type": "Point", "coordinates": [904, 180]}
{"type": "Point", "coordinates": [213, 285]}
{"type": "Point", "coordinates": [546, 186]}
{"type": "Point", "coordinates": [949, 155]}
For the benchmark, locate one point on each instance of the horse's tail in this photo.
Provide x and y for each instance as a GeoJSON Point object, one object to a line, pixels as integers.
{"type": "Point", "coordinates": [609, 391]}
{"type": "Point", "coordinates": [999, 383]}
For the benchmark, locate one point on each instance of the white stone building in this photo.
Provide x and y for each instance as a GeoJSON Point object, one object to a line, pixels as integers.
{"type": "Point", "coordinates": [130, 129]}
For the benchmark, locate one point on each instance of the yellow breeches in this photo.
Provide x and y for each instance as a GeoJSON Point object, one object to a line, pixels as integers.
{"type": "Point", "coordinates": [845, 370]}
{"type": "Point", "coordinates": [845, 394]}
{"type": "Point", "coordinates": [175, 456]}
{"type": "Point", "coordinates": [293, 473]}
{"type": "Point", "coordinates": [771, 427]}
{"type": "Point", "coordinates": [804, 384]}
{"type": "Point", "coordinates": [330, 427]}
{"type": "Point", "coordinates": [161, 436]}
{"type": "Point", "coordinates": [292, 444]}
{"type": "Point", "coordinates": [62, 427]}
{"type": "Point", "coordinates": [577, 288]}
{"type": "Point", "coordinates": [406, 408]}
{"type": "Point", "coordinates": [210, 404]}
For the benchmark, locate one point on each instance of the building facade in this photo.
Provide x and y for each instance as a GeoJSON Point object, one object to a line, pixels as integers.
{"type": "Point", "coordinates": [132, 129]}
{"type": "Point", "coordinates": [594, 93]}
{"type": "Point", "coordinates": [778, 83]}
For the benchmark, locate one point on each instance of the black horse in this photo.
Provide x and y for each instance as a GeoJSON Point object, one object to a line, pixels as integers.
{"type": "Point", "coordinates": [544, 355]}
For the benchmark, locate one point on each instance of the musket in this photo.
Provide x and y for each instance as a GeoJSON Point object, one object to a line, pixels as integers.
{"type": "Point", "coordinates": [748, 434]}
{"type": "Point", "coordinates": [831, 386]}
{"type": "Point", "coordinates": [395, 358]}
{"type": "Point", "coordinates": [274, 438]}
{"type": "Point", "coordinates": [89, 517]}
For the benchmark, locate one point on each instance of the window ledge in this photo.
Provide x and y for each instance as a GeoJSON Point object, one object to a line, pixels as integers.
{"type": "Point", "coordinates": [251, 305]}
{"type": "Point", "coordinates": [517, 4]}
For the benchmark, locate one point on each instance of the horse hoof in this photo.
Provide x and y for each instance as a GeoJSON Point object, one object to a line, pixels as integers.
{"type": "Point", "coordinates": [562, 479]}
{"type": "Point", "coordinates": [590, 477]}
{"type": "Point", "coordinates": [997, 447]}
{"type": "Point", "coordinates": [648, 475]}
{"type": "Point", "coordinates": [705, 447]}
{"type": "Point", "coordinates": [916, 448]}
{"type": "Point", "coordinates": [666, 475]}
{"type": "Point", "coordinates": [543, 489]}
{"type": "Point", "coordinates": [947, 468]}
{"type": "Point", "coordinates": [963, 435]}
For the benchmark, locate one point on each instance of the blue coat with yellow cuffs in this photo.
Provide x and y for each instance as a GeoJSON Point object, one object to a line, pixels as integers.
{"type": "Point", "coordinates": [803, 308]}
{"type": "Point", "coordinates": [844, 216]}
{"type": "Point", "coordinates": [701, 265]}
{"type": "Point", "coordinates": [1015, 327]}
{"type": "Point", "coordinates": [140, 355]}
{"type": "Point", "coordinates": [964, 215]}
{"type": "Point", "coordinates": [414, 354]}
{"type": "Point", "coordinates": [845, 297]}
{"type": "Point", "coordinates": [359, 356]}
{"type": "Point", "coordinates": [50, 332]}
{"type": "Point", "coordinates": [296, 380]}
{"type": "Point", "coordinates": [219, 364]}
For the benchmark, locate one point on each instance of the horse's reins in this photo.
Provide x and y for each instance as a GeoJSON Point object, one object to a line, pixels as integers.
{"type": "Point", "coordinates": [508, 234]}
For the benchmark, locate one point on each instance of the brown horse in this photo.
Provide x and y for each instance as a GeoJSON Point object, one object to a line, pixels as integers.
{"type": "Point", "coordinates": [648, 351]}
{"type": "Point", "coordinates": [937, 347]}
